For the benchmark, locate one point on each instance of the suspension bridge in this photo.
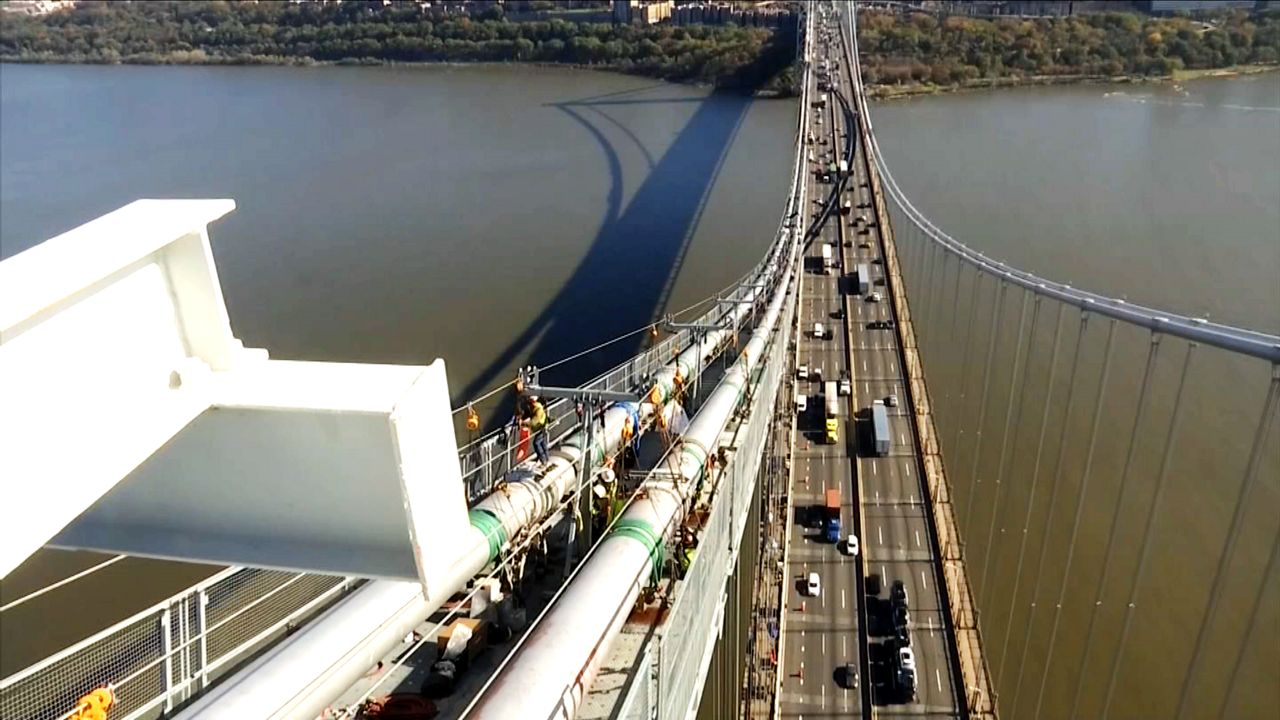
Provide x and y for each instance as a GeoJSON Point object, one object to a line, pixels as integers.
{"type": "Point", "coordinates": [766, 513]}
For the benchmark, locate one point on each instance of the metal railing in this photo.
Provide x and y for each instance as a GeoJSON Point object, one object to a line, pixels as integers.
{"type": "Point", "coordinates": [165, 654]}
{"type": "Point", "coordinates": [674, 664]}
{"type": "Point", "coordinates": [161, 656]}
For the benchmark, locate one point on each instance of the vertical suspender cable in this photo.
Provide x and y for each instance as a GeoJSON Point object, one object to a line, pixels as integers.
{"type": "Point", "coordinates": [1147, 377]}
{"type": "Point", "coordinates": [954, 416]}
{"type": "Point", "coordinates": [1031, 497]}
{"type": "Point", "coordinates": [1233, 534]}
{"type": "Point", "coordinates": [936, 293]}
{"type": "Point", "coordinates": [930, 266]}
{"type": "Point", "coordinates": [1011, 424]}
{"type": "Point", "coordinates": [968, 345]}
{"type": "Point", "coordinates": [1250, 627]}
{"type": "Point", "coordinates": [997, 314]}
{"type": "Point", "coordinates": [1083, 492]}
{"type": "Point", "coordinates": [1053, 505]}
{"type": "Point", "coordinates": [1145, 553]}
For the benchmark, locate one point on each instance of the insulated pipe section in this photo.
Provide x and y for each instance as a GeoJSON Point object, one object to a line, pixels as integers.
{"type": "Point", "coordinates": [561, 656]}
{"type": "Point", "coordinates": [300, 677]}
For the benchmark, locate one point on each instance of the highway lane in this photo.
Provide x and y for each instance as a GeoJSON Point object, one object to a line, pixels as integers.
{"type": "Point", "coordinates": [822, 632]}
{"type": "Point", "coordinates": [896, 542]}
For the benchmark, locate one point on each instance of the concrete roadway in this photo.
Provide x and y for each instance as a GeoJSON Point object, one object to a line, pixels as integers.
{"type": "Point", "coordinates": [823, 637]}
{"type": "Point", "coordinates": [895, 542]}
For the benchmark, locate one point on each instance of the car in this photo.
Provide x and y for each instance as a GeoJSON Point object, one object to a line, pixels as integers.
{"type": "Point", "coordinates": [898, 593]}
{"type": "Point", "coordinates": [815, 373]}
{"type": "Point", "coordinates": [901, 617]}
{"type": "Point", "coordinates": [802, 403]}
{"type": "Point", "coordinates": [802, 372]}
{"type": "Point", "coordinates": [819, 331]}
{"type": "Point", "coordinates": [838, 313]}
{"type": "Point", "coordinates": [833, 431]}
{"type": "Point", "coordinates": [906, 659]}
{"type": "Point", "coordinates": [873, 297]}
{"type": "Point", "coordinates": [813, 585]}
{"type": "Point", "coordinates": [846, 387]}
{"type": "Point", "coordinates": [851, 545]}
{"type": "Point", "coordinates": [902, 637]}
{"type": "Point", "coordinates": [891, 401]}
{"type": "Point", "coordinates": [850, 673]}
{"type": "Point", "coordinates": [906, 662]}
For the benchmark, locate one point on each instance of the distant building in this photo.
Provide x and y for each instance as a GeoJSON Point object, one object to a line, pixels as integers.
{"type": "Point", "coordinates": [719, 13]}
{"type": "Point", "coordinates": [645, 12]}
{"type": "Point", "coordinates": [37, 7]}
{"type": "Point", "coordinates": [1165, 7]}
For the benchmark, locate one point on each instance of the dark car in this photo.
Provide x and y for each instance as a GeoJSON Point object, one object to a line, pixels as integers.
{"type": "Point", "coordinates": [898, 594]}
{"type": "Point", "coordinates": [849, 676]}
{"type": "Point", "coordinates": [902, 637]}
{"type": "Point", "coordinates": [900, 617]}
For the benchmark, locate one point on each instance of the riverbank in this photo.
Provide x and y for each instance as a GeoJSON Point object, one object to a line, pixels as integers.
{"type": "Point", "coordinates": [727, 57]}
{"type": "Point", "coordinates": [781, 86]}
{"type": "Point", "coordinates": [895, 92]}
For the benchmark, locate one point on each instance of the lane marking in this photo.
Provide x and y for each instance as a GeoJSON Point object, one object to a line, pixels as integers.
{"type": "Point", "coordinates": [874, 470]}
{"type": "Point", "coordinates": [917, 538]}
{"type": "Point", "coordinates": [938, 677]}
{"type": "Point", "coordinates": [923, 581]}
{"type": "Point", "coordinates": [880, 533]}
{"type": "Point", "coordinates": [841, 598]}
{"type": "Point", "coordinates": [908, 471]}
{"type": "Point", "coordinates": [884, 573]}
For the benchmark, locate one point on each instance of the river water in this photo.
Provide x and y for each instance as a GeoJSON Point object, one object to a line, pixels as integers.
{"type": "Point", "coordinates": [497, 216]}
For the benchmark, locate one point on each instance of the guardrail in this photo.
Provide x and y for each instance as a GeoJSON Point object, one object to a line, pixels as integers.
{"type": "Point", "coordinates": [159, 657]}
{"type": "Point", "coordinates": [165, 654]}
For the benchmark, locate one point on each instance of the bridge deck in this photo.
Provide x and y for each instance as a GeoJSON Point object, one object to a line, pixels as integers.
{"type": "Point", "coordinates": [892, 505]}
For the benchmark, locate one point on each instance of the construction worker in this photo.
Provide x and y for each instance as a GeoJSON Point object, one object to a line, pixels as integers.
{"type": "Point", "coordinates": [536, 420]}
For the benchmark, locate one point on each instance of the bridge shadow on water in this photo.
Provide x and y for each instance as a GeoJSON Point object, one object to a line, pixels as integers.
{"type": "Point", "coordinates": [626, 276]}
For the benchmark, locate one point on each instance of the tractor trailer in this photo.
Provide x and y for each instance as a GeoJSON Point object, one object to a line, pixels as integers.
{"type": "Point", "coordinates": [880, 428]}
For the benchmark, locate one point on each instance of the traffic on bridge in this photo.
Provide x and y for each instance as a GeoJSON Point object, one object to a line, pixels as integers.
{"type": "Point", "coordinates": [866, 629]}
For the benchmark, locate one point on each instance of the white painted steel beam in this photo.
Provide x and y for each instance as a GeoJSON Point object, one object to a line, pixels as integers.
{"type": "Point", "coordinates": [134, 421]}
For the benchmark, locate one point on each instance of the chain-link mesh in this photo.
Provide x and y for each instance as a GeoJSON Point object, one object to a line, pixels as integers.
{"type": "Point", "coordinates": [53, 690]}
{"type": "Point", "coordinates": [159, 657]}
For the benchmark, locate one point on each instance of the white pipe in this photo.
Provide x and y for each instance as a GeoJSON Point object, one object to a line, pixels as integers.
{"type": "Point", "coordinates": [302, 675]}
{"type": "Point", "coordinates": [551, 674]}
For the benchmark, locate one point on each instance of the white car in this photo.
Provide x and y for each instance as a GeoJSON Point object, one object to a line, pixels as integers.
{"type": "Point", "coordinates": [851, 545]}
{"type": "Point", "coordinates": [802, 403]}
{"type": "Point", "coordinates": [802, 372]}
{"type": "Point", "coordinates": [907, 660]}
{"type": "Point", "coordinates": [814, 585]}
{"type": "Point", "coordinates": [846, 387]}
{"type": "Point", "coordinates": [891, 401]}
{"type": "Point", "coordinates": [874, 297]}
{"type": "Point", "coordinates": [819, 331]}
